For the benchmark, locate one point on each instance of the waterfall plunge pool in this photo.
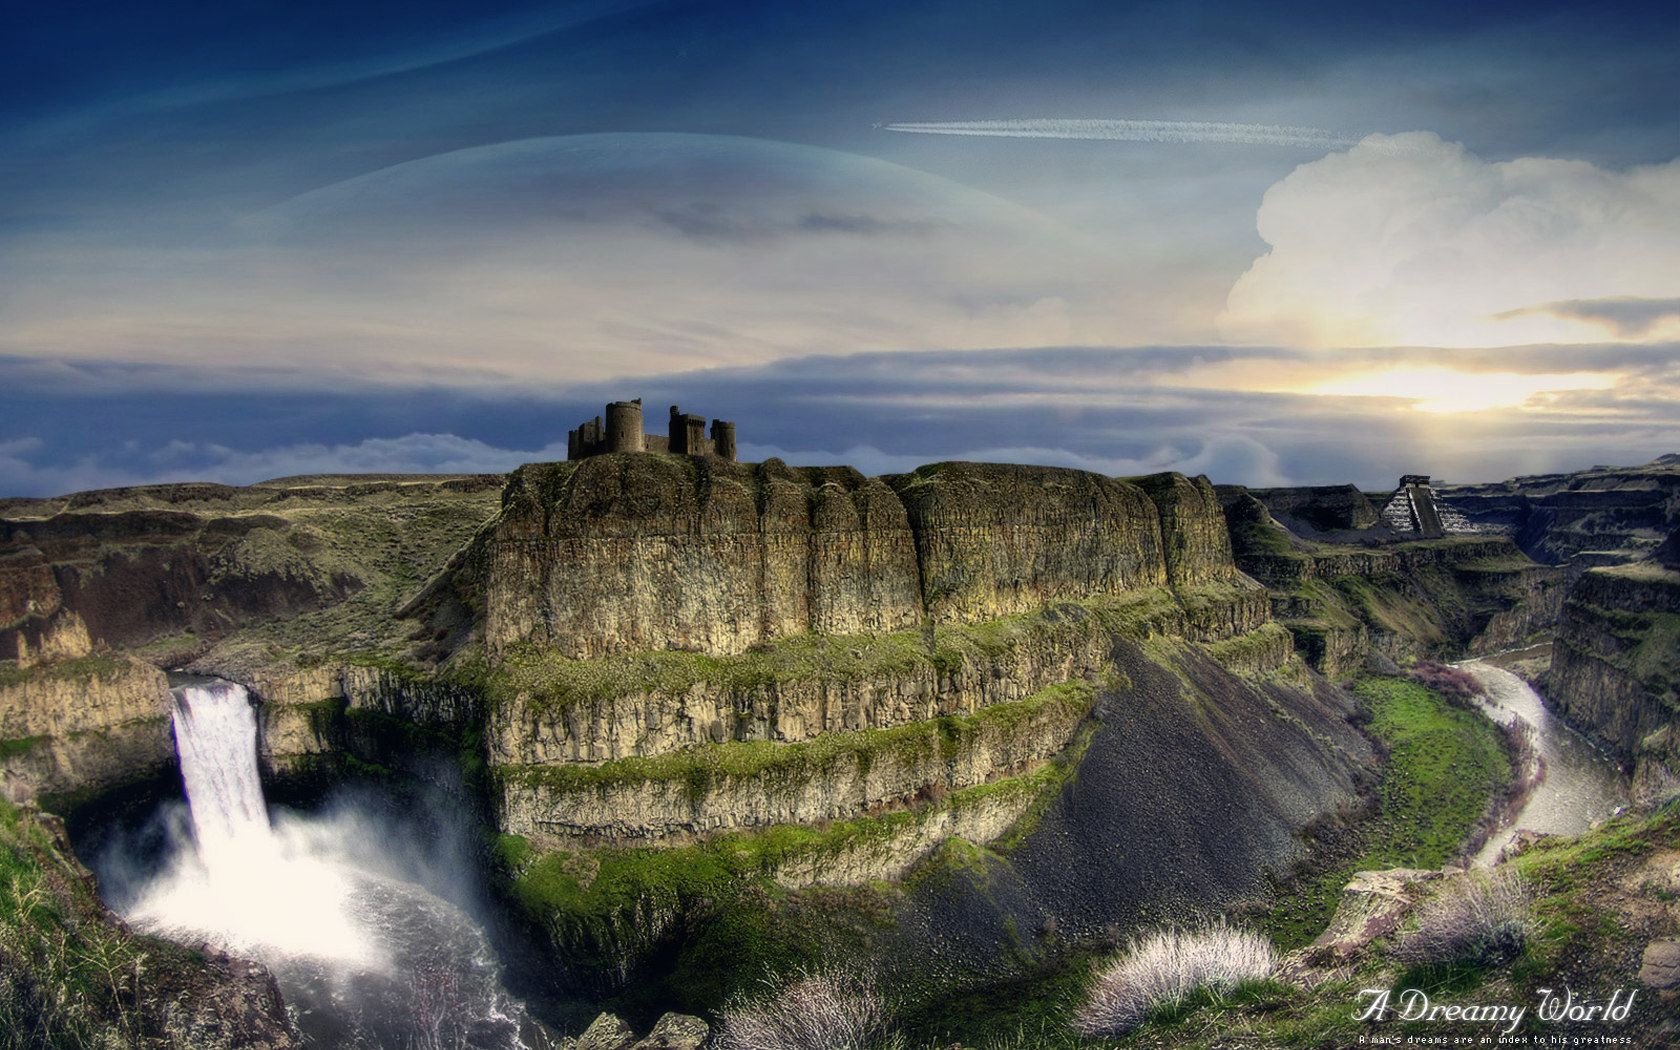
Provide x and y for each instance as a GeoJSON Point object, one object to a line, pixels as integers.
{"type": "Point", "coordinates": [371, 919]}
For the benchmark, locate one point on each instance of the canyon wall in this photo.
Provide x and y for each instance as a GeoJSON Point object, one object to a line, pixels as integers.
{"type": "Point", "coordinates": [1417, 599]}
{"type": "Point", "coordinates": [688, 676]}
{"type": "Point", "coordinates": [625, 553]}
{"type": "Point", "coordinates": [1557, 518]}
{"type": "Point", "coordinates": [82, 725]}
{"type": "Point", "coordinates": [628, 552]}
{"type": "Point", "coordinates": [1616, 669]}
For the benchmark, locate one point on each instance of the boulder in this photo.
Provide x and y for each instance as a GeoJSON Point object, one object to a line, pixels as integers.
{"type": "Point", "coordinates": [1373, 905]}
{"type": "Point", "coordinates": [1660, 968]}
{"type": "Point", "coordinates": [677, 1032]}
{"type": "Point", "coordinates": [607, 1032]}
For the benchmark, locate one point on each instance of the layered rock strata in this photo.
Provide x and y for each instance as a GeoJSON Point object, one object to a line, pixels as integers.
{"type": "Point", "coordinates": [85, 724]}
{"type": "Point", "coordinates": [627, 553]}
{"type": "Point", "coordinates": [1428, 598]}
{"type": "Point", "coordinates": [1616, 669]}
{"type": "Point", "coordinates": [740, 786]}
{"type": "Point", "coordinates": [548, 709]}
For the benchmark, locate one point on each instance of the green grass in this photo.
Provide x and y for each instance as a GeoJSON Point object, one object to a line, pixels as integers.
{"type": "Point", "coordinates": [717, 907]}
{"type": "Point", "coordinates": [1444, 764]}
{"type": "Point", "coordinates": [702, 768]}
{"type": "Point", "coordinates": [18, 746]}
{"type": "Point", "coordinates": [546, 682]}
{"type": "Point", "coordinates": [63, 978]}
{"type": "Point", "coordinates": [94, 665]}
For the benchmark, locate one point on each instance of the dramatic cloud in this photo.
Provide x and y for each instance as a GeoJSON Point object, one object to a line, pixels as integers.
{"type": "Point", "coordinates": [1629, 318]}
{"type": "Point", "coordinates": [1409, 240]}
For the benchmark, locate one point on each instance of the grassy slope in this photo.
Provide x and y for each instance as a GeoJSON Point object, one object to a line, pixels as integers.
{"type": "Point", "coordinates": [1444, 764]}
{"type": "Point", "coordinates": [70, 977]}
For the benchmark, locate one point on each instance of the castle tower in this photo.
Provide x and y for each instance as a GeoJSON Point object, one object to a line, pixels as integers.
{"type": "Point", "coordinates": [688, 433]}
{"type": "Point", "coordinates": [723, 439]}
{"type": "Point", "coordinates": [624, 427]}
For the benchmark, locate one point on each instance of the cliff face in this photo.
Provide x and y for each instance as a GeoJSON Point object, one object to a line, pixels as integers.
{"type": "Point", "coordinates": [1557, 517]}
{"type": "Point", "coordinates": [1319, 508]}
{"type": "Point", "coordinates": [85, 724]}
{"type": "Point", "coordinates": [995, 540]}
{"type": "Point", "coordinates": [1429, 598]}
{"type": "Point", "coordinates": [1616, 669]}
{"type": "Point", "coordinates": [627, 553]}
{"type": "Point", "coordinates": [753, 785]}
{"type": "Point", "coordinates": [768, 675]}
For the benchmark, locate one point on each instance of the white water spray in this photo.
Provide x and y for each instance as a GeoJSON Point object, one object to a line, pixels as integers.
{"type": "Point", "coordinates": [334, 904]}
{"type": "Point", "coordinates": [248, 886]}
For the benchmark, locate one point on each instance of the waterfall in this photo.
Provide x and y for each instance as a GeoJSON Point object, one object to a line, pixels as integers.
{"type": "Point", "coordinates": [242, 883]}
{"type": "Point", "coordinates": [216, 739]}
{"type": "Point", "coordinates": [347, 907]}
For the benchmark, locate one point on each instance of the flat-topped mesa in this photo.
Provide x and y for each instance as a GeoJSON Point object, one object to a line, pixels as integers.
{"type": "Point", "coordinates": [617, 554]}
{"type": "Point", "coordinates": [621, 431]}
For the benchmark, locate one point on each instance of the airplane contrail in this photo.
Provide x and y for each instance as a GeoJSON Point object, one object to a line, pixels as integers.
{"type": "Point", "coordinates": [1133, 131]}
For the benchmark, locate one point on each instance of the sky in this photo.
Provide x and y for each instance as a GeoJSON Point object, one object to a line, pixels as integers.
{"type": "Point", "coordinates": [1293, 243]}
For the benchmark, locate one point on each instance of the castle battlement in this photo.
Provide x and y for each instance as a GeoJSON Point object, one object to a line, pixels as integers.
{"type": "Point", "coordinates": [621, 431]}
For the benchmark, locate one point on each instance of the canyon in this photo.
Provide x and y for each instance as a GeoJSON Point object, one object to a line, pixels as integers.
{"type": "Point", "coordinates": [695, 704]}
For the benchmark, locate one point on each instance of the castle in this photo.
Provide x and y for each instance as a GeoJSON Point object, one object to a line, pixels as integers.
{"type": "Point", "coordinates": [622, 432]}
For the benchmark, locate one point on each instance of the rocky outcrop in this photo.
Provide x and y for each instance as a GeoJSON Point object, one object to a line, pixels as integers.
{"type": "Point", "coordinates": [1402, 600]}
{"type": "Point", "coordinates": [671, 1032]}
{"type": "Point", "coordinates": [545, 709]}
{"type": "Point", "coordinates": [739, 786]}
{"type": "Point", "coordinates": [993, 540]}
{"type": "Point", "coordinates": [1557, 517]}
{"type": "Point", "coordinates": [1194, 538]}
{"type": "Point", "coordinates": [84, 724]}
{"type": "Point", "coordinates": [1373, 906]}
{"type": "Point", "coordinates": [626, 553]}
{"type": "Point", "coordinates": [1319, 508]}
{"type": "Point", "coordinates": [1616, 669]}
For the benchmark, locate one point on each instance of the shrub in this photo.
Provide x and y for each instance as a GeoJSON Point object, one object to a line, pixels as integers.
{"type": "Point", "coordinates": [817, 1010]}
{"type": "Point", "coordinates": [1478, 917]}
{"type": "Point", "coordinates": [1453, 683]}
{"type": "Point", "coordinates": [1166, 967]}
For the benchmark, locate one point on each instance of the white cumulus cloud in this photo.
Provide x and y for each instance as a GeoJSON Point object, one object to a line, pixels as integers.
{"type": "Point", "coordinates": [1407, 240]}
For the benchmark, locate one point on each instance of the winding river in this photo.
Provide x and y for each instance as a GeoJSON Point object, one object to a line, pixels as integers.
{"type": "Point", "coordinates": [1580, 785]}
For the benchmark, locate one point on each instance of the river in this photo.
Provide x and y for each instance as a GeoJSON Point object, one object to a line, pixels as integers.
{"type": "Point", "coordinates": [1580, 785]}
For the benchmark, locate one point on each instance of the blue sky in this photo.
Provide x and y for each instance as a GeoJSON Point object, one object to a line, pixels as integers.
{"type": "Point", "coordinates": [243, 240]}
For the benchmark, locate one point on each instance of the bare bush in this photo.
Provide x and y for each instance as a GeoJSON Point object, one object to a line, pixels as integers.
{"type": "Point", "coordinates": [1453, 683]}
{"type": "Point", "coordinates": [818, 1010]}
{"type": "Point", "coordinates": [1166, 967]}
{"type": "Point", "coordinates": [1477, 917]}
